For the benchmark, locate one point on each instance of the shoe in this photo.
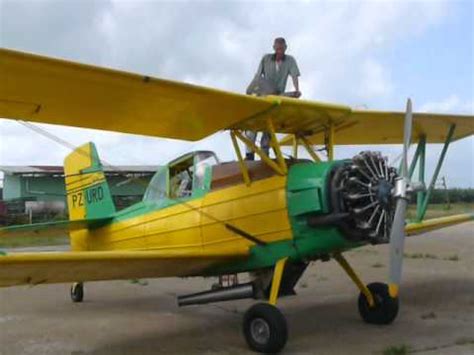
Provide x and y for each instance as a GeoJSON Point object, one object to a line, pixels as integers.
{"type": "Point", "coordinates": [249, 156]}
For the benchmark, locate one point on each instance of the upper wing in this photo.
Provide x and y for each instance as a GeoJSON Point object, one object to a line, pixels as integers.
{"type": "Point", "coordinates": [311, 119]}
{"type": "Point", "coordinates": [41, 89]}
{"type": "Point", "coordinates": [57, 267]}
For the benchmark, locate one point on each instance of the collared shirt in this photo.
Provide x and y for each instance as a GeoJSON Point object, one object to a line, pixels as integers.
{"type": "Point", "coordinates": [278, 75]}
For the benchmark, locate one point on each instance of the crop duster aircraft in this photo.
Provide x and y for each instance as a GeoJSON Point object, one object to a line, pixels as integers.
{"type": "Point", "coordinates": [200, 217]}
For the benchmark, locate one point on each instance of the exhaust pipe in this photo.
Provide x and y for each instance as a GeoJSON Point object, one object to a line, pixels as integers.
{"type": "Point", "coordinates": [222, 294]}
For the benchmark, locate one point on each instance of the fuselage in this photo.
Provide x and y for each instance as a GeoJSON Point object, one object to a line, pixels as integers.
{"type": "Point", "coordinates": [273, 209]}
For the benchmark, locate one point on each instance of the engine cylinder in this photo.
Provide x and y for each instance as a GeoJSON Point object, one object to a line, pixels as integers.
{"type": "Point", "coordinates": [361, 189]}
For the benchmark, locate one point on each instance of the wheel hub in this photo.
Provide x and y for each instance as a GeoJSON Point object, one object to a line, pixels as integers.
{"type": "Point", "coordinates": [260, 330]}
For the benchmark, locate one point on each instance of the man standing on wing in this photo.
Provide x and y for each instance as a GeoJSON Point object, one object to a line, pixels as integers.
{"type": "Point", "coordinates": [270, 79]}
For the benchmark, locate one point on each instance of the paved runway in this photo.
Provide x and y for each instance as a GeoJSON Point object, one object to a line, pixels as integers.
{"type": "Point", "coordinates": [120, 317]}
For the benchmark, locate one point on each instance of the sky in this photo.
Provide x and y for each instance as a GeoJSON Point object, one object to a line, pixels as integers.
{"type": "Point", "coordinates": [370, 54]}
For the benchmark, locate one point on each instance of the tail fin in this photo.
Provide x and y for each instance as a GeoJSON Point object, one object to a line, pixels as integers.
{"type": "Point", "coordinates": [88, 194]}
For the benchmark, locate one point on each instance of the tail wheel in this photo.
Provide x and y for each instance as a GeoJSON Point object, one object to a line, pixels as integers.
{"type": "Point", "coordinates": [77, 292]}
{"type": "Point", "coordinates": [265, 328]}
{"type": "Point", "coordinates": [385, 309]}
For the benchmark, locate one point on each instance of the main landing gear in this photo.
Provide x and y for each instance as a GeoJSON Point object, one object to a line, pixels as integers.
{"type": "Point", "coordinates": [77, 292]}
{"type": "Point", "coordinates": [385, 309]}
{"type": "Point", "coordinates": [376, 306]}
{"type": "Point", "coordinates": [264, 326]}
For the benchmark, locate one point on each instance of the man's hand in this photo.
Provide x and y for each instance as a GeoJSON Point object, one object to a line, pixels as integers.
{"type": "Point", "coordinates": [294, 94]}
{"type": "Point", "coordinates": [296, 84]}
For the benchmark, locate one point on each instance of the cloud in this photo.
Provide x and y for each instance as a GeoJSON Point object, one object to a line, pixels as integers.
{"type": "Point", "coordinates": [451, 103]}
{"type": "Point", "coordinates": [340, 48]}
{"type": "Point", "coordinates": [458, 167]}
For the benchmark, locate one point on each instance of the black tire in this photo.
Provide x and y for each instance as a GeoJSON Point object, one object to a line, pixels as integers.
{"type": "Point", "coordinates": [385, 309]}
{"type": "Point", "coordinates": [77, 292]}
{"type": "Point", "coordinates": [265, 328]}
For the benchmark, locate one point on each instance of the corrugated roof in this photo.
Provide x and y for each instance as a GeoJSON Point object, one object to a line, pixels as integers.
{"type": "Point", "coordinates": [51, 169]}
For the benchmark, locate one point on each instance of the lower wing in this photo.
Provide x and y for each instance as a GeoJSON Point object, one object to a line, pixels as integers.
{"type": "Point", "coordinates": [437, 223]}
{"type": "Point", "coordinates": [57, 267]}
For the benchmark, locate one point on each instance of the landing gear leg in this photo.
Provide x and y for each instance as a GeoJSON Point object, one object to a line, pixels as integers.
{"type": "Point", "coordinates": [77, 292]}
{"type": "Point", "coordinates": [264, 326]}
{"type": "Point", "coordinates": [376, 306]}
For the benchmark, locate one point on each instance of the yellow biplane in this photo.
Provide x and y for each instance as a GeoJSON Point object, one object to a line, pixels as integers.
{"type": "Point", "coordinates": [201, 217]}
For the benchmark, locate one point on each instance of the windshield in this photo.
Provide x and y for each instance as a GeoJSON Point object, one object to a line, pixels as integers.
{"type": "Point", "coordinates": [204, 162]}
{"type": "Point", "coordinates": [157, 189]}
{"type": "Point", "coordinates": [182, 177]}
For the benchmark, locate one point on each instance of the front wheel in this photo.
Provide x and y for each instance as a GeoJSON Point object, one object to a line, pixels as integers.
{"type": "Point", "coordinates": [385, 309]}
{"type": "Point", "coordinates": [265, 328]}
{"type": "Point", "coordinates": [77, 292]}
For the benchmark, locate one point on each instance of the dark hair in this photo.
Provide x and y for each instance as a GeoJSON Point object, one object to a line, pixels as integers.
{"type": "Point", "coordinates": [280, 40]}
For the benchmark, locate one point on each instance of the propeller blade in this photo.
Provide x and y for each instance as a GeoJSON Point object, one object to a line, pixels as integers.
{"type": "Point", "coordinates": [397, 243]}
{"type": "Point", "coordinates": [397, 233]}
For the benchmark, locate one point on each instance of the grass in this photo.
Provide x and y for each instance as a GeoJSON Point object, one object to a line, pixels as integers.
{"type": "Point", "coordinates": [377, 265]}
{"type": "Point", "coordinates": [453, 257]}
{"type": "Point", "coordinates": [441, 210]}
{"type": "Point", "coordinates": [396, 350]}
{"type": "Point", "coordinates": [33, 241]}
{"type": "Point", "coordinates": [433, 211]}
{"type": "Point", "coordinates": [465, 341]}
{"type": "Point", "coordinates": [430, 315]}
{"type": "Point", "coordinates": [420, 256]}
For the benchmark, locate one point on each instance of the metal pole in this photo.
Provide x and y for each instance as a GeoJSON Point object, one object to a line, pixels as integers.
{"type": "Point", "coordinates": [295, 147]}
{"type": "Point", "coordinates": [436, 172]}
{"type": "Point", "coordinates": [243, 167]}
{"type": "Point", "coordinates": [421, 177]}
{"type": "Point", "coordinates": [416, 156]}
{"type": "Point", "coordinates": [330, 143]}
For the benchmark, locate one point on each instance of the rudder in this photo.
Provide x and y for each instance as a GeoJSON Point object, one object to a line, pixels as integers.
{"type": "Point", "coordinates": [87, 190]}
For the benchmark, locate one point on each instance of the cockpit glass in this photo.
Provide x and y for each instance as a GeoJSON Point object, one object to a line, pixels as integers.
{"type": "Point", "coordinates": [186, 174]}
{"type": "Point", "coordinates": [157, 188]}
{"type": "Point", "coordinates": [204, 160]}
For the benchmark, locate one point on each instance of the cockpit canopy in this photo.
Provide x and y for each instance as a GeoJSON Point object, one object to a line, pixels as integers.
{"type": "Point", "coordinates": [186, 176]}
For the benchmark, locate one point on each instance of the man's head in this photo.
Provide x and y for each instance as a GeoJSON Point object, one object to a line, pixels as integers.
{"type": "Point", "coordinates": [279, 46]}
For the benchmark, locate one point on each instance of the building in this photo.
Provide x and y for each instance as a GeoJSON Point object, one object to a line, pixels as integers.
{"type": "Point", "coordinates": [39, 192]}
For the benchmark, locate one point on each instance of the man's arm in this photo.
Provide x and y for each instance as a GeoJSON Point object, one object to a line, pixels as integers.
{"type": "Point", "coordinates": [296, 83]}
{"type": "Point", "coordinates": [295, 73]}
{"type": "Point", "coordinates": [260, 71]}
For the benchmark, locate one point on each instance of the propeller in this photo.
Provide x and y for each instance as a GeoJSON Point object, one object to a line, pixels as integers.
{"type": "Point", "coordinates": [402, 187]}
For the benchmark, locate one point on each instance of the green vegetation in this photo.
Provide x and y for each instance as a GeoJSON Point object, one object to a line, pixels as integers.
{"type": "Point", "coordinates": [442, 210]}
{"type": "Point", "coordinates": [430, 315]}
{"type": "Point", "coordinates": [377, 265]}
{"type": "Point", "coordinates": [441, 196]}
{"type": "Point", "coordinates": [33, 241]}
{"type": "Point", "coordinates": [465, 341]}
{"type": "Point", "coordinates": [454, 257]}
{"type": "Point", "coordinates": [420, 256]}
{"type": "Point", "coordinates": [139, 282]}
{"type": "Point", "coordinates": [396, 350]}
{"type": "Point", "coordinates": [434, 211]}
